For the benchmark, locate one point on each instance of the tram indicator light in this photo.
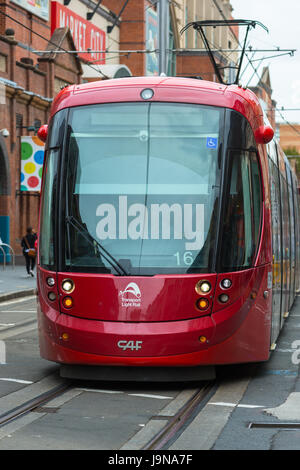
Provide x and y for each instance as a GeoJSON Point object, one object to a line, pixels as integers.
{"type": "Point", "coordinates": [202, 339]}
{"type": "Point", "coordinates": [202, 304]}
{"type": "Point", "coordinates": [147, 94]}
{"type": "Point", "coordinates": [67, 302]}
{"type": "Point", "coordinates": [43, 133]}
{"type": "Point", "coordinates": [65, 336]}
{"type": "Point", "coordinates": [264, 134]}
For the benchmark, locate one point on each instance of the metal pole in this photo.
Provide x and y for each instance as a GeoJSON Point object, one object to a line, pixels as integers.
{"type": "Point", "coordinates": [163, 35]}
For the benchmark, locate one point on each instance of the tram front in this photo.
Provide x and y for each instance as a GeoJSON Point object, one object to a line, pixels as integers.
{"type": "Point", "coordinates": [150, 221]}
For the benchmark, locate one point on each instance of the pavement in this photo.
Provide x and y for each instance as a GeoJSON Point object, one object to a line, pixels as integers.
{"type": "Point", "coordinates": [15, 282]}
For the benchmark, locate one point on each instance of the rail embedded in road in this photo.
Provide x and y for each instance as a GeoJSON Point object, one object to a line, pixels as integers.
{"type": "Point", "coordinates": [176, 423]}
{"type": "Point", "coordinates": [33, 403]}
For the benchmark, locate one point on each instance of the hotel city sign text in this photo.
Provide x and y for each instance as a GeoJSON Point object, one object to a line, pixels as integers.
{"type": "Point", "coordinates": [85, 34]}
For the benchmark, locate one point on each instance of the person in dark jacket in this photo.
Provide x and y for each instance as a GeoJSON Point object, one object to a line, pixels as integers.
{"type": "Point", "coordinates": [28, 243]}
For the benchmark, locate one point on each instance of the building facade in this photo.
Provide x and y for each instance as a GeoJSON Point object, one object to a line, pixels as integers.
{"type": "Point", "coordinates": [289, 135]}
{"type": "Point", "coordinates": [192, 59]}
{"type": "Point", "coordinates": [46, 44]}
{"type": "Point", "coordinates": [42, 48]}
{"type": "Point", "coordinates": [263, 91]}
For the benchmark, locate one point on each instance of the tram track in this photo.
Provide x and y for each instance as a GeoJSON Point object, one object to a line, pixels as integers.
{"type": "Point", "coordinates": [159, 440]}
{"type": "Point", "coordinates": [33, 403]}
{"type": "Point", "coordinates": [11, 321]}
{"type": "Point", "coordinates": [177, 422]}
{"type": "Point", "coordinates": [8, 330]}
{"type": "Point", "coordinates": [37, 402]}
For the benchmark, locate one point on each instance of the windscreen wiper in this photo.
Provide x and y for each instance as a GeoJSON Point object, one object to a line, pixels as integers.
{"type": "Point", "coordinates": [91, 240]}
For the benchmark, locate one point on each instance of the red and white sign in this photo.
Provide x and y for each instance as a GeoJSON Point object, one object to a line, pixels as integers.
{"type": "Point", "coordinates": [85, 34]}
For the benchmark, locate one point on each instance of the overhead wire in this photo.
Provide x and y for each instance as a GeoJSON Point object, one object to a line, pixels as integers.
{"type": "Point", "coordinates": [255, 70]}
{"type": "Point", "coordinates": [49, 41]}
{"type": "Point", "coordinates": [287, 122]}
{"type": "Point", "coordinates": [233, 32]}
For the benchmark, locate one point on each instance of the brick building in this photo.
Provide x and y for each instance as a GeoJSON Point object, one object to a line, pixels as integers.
{"type": "Point", "coordinates": [138, 30]}
{"type": "Point", "coordinates": [289, 139]}
{"type": "Point", "coordinates": [187, 56]}
{"type": "Point", "coordinates": [289, 135]}
{"type": "Point", "coordinates": [263, 91]}
{"type": "Point", "coordinates": [28, 82]}
{"type": "Point", "coordinates": [28, 92]}
{"type": "Point", "coordinates": [104, 39]}
{"type": "Point", "coordinates": [193, 59]}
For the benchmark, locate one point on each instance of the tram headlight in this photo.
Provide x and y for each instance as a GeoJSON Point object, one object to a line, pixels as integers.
{"type": "Point", "coordinates": [68, 285]}
{"type": "Point", "coordinates": [52, 296]}
{"type": "Point", "coordinates": [202, 287]}
{"type": "Point", "coordinates": [50, 281]}
{"type": "Point", "coordinates": [223, 298]}
{"type": "Point", "coordinates": [226, 283]}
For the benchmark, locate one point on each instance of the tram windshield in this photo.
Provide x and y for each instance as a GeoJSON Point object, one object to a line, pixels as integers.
{"type": "Point", "coordinates": [142, 188]}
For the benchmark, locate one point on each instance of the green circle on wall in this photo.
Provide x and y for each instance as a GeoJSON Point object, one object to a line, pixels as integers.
{"type": "Point", "coordinates": [26, 150]}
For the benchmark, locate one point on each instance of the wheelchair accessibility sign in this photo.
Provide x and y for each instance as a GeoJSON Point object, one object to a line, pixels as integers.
{"type": "Point", "coordinates": [211, 142]}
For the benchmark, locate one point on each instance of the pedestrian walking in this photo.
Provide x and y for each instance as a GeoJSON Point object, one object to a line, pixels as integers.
{"type": "Point", "coordinates": [29, 250]}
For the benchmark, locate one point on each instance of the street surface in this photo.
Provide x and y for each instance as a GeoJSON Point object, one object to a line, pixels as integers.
{"type": "Point", "coordinates": [124, 416]}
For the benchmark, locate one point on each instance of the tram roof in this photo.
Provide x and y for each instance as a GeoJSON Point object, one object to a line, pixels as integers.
{"type": "Point", "coordinates": [166, 89]}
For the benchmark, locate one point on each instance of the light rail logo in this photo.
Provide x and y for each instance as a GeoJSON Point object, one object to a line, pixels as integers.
{"type": "Point", "coordinates": [131, 295]}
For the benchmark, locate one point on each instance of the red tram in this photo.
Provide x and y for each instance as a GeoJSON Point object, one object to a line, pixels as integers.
{"type": "Point", "coordinates": [169, 228]}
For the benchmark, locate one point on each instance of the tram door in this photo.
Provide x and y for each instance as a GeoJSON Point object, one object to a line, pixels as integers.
{"type": "Point", "coordinates": [292, 239]}
{"type": "Point", "coordinates": [285, 247]}
{"type": "Point", "coordinates": [276, 245]}
{"type": "Point", "coordinates": [296, 220]}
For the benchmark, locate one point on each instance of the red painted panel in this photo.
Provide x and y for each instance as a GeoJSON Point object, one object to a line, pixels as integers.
{"type": "Point", "coordinates": [228, 339]}
{"type": "Point", "coordinates": [135, 299]}
{"type": "Point", "coordinates": [168, 89]}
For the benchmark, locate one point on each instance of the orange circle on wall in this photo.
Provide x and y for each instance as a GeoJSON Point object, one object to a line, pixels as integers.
{"type": "Point", "coordinates": [38, 141]}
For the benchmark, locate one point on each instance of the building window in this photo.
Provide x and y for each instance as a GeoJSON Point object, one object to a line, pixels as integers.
{"type": "Point", "coordinates": [19, 121]}
{"type": "Point", "coordinates": [3, 63]}
{"type": "Point", "coordinates": [37, 124]}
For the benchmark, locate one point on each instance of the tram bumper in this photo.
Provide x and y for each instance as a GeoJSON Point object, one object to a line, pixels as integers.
{"type": "Point", "coordinates": [237, 333]}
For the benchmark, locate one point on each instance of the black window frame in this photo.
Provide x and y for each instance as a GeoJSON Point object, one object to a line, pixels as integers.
{"type": "Point", "coordinates": [235, 134]}
{"type": "Point", "coordinates": [238, 136]}
{"type": "Point", "coordinates": [54, 143]}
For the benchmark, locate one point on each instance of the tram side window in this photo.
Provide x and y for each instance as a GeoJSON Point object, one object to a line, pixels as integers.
{"type": "Point", "coordinates": [243, 212]}
{"type": "Point", "coordinates": [48, 213]}
{"type": "Point", "coordinates": [257, 195]}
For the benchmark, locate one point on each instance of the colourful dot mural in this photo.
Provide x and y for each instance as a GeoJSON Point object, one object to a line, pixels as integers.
{"type": "Point", "coordinates": [32, 158]}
